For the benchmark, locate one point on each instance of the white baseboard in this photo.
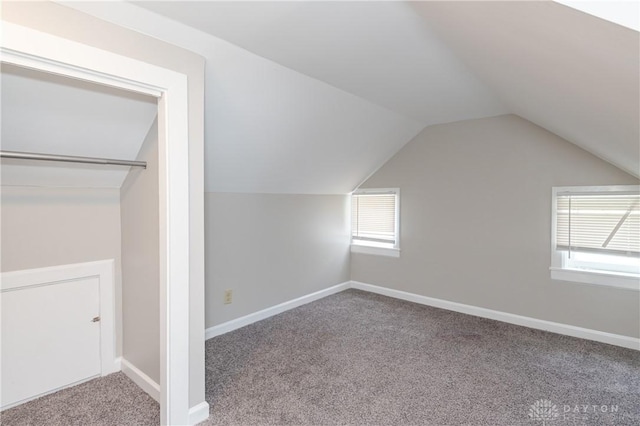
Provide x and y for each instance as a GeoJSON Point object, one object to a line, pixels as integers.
{"type": "Point", "coordinates": [198, 413]}
{"type": "Point", "coordinates": [139, 378]}
{"type": "Point", "coordinates": [555, 327]}
{"type": "Point", "coordinates": [538, 324]}
{"type": "Point", "coordinates": [274, 310]}
{"type": "Point", "coordinates": [117, 365]}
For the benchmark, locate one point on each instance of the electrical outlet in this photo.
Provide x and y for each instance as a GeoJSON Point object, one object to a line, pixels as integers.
{"type": "Point", "coordinates": [228, 296]}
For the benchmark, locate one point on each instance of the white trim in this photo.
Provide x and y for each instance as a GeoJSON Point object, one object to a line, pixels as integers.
{"type": "Point", "coordinates": [556, 256]}
{"type": "Point", "coordinates": [24, 46]}
{"type": "Point", "coordinates": [103, 270]}
{"type": "Point", "coordinates": [378, 251]}
{"type": "Point", "coordinates": [117, 364]}
{"type": "Point", "coordinates": [585, 190]}
{"type": "Point", "coordinates": [375, 191]}
{"type": "Point", "coordinates": [198, 413]}
{"type": "Point", "coordinates": [28, 61]}
{"type": "Point", "coordinates": [146, 383]}
{"type": "Point", "coordinates": [609, 279]}
{"type": "Point", "coordinates": [554, 327]}
{"type": "Point", "coordinates": [228, 326]}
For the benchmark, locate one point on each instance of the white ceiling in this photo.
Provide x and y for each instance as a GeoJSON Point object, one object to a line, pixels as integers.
{"type": "Point", "coordinates": [312, 97]}
{"type": "Point", "coordinates": [625, 12]}
{"type": "Point", "coordinates": [273, 128]}
{"type": "Point", "coordinates": [379, 51]}
{"type": "Point", "coordinates": [46, 113]}
{"type": "Point", "coordinates": [572, 73]}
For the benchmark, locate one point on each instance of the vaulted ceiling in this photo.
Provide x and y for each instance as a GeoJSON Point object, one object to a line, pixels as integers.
{"type": "Point", "coordinates": [380, 51]}
{"type": "Point", "coordinates": [312, 97]}
{"type": "Point", "coordinates": [574, 74]}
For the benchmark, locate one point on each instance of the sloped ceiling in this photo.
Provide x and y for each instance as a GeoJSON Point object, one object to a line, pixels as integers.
{"type": "Point", "coordinates": [379, 51]}
{"type": "Point", "coordinates": [45, 113]}
{"type": "Point", "coordinates": [621, 12]}
{"type": "Point", "coordinates": [312, 97]}
{"type": "Point", "coordinates": [270, 127]}
{"type": "Point", "coordinates": [569, 72]}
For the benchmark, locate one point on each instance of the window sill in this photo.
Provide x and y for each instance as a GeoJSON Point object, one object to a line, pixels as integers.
{"type": "Point", "coordinates": [379, 251]}
{"type": "Point", "coordinates": [627, 281]}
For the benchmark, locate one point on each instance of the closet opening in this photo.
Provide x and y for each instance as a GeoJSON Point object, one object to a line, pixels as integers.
{"type": "Point", "coordinates": [180, 341]}
{"type": "Point", "coordinates": [82, 257]}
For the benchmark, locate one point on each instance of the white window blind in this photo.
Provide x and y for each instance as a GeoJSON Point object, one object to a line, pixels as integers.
{"type": "Point", "coordinates": [373, 217]}
{"type": "Point", "coordinates": [607, 223]}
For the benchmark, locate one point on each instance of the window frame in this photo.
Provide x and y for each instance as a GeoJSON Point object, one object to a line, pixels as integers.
{"type": "Point", "coordinates": [563, 272]}
{"type": "Point", "coordinates": [364, 247]}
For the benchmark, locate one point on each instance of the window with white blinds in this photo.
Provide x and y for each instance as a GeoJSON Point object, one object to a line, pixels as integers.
{"type": "Point", "coordinates": [598, 222]}
{"type": "Point", "coordinates": [374, 217]}
{"type": "Point", "coordinates": [596, 235]}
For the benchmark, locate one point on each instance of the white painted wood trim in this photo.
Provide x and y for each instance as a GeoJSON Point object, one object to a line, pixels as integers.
{"type": "Point", "coordinates": [145, 382]}
{"type": "Point", "coordinates": [274, 310]}
{"type": "Point", "coordinates": [117, 364]}
{"type": "Point", "coordinates": [27, 47]}
{"type": "Point", "coordinates": [16, 48]}
{"type": "Point", "coordinates": [378, 251]}
{"type": "Point", "coordinates": [599, 278]}
{"type": "Point", "coordinates": [538, 324]}
{"type": "Point", "coordinates": [554, 327]}
{"type": "Point", "coordinates": [198, 413]}
{"type": "Point", "coordinates": [103, 270]}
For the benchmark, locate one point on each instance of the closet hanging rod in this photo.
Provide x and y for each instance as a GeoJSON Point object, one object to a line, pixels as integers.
{"type": "Point", "coordinates": [70, 159]}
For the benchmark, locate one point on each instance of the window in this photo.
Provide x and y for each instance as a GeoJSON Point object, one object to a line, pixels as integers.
{"type": "Point", "coordinates": [596, 235]}
{"type": "Point", "coordinates": [374, 222]}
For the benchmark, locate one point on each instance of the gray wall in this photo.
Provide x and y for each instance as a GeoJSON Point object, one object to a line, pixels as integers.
{"type": "Point", "coordinates": [76, 26]}
{"type": "Point", "coordinates": [141, 261]}
{"type": "Point", "coordinates": [271, 248]}
{"type": "Point", "coordinates": [476, 223]}
{"type": "Point", "coordinates": [60, 226]}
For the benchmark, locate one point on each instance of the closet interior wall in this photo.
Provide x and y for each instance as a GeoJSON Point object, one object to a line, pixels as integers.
{"type": "Point", "coordinates": [140, 223]}
{"type": "Point", "coordinates": [48, 226]}
{"type": "Point", "coordinates": [51, 226]}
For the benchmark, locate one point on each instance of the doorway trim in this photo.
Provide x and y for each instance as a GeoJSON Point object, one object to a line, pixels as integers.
{"type": "Point", "coordinates": [33, 49]}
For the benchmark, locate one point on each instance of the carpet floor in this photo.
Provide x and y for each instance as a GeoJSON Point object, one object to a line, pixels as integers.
{"type": "Point", "coordinates": [107, 401]}
{"type": "Point", "coordinates": [356, 358]}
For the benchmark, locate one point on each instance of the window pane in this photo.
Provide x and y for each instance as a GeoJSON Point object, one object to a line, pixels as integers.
{"type": "Point", "coordinates": [601, 223]}
{"type": "Point", "coordinates": [374, 217]}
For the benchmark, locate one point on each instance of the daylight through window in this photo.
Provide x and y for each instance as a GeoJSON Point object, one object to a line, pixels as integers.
{"type": "Point", "coordinates": [374, 218]}
{"type": "Point", "coordinates": [597, 229]}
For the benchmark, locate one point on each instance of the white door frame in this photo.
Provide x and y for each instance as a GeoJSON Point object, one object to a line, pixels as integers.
{"type": "Point", "coordinates": [33, 49]}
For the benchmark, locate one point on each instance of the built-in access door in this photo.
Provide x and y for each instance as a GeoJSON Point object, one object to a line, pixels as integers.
{"type": "Point", "coordinates": [50, 337]}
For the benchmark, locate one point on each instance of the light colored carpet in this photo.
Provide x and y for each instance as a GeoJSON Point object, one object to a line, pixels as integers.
{"type": "Point", "coordinates": [107, 401]}
{"type": "Point", "coordinates": [356, 358]}
{"type": "Point", "coordinates": [361, 359]}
